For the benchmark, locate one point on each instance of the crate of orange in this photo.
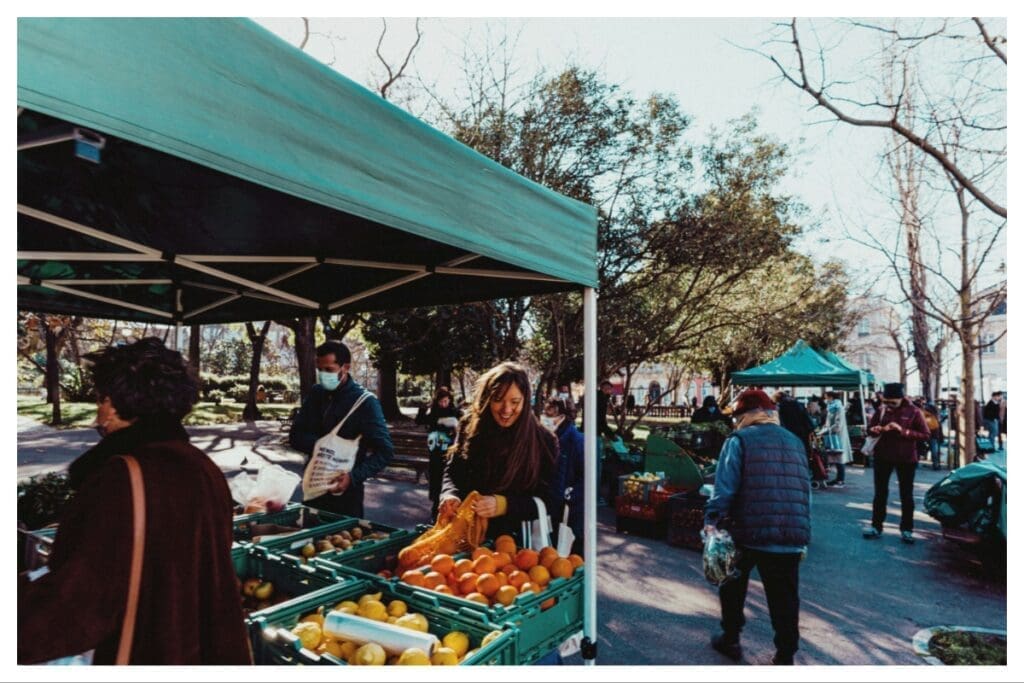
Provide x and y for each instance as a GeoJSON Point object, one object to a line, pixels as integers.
{"type": "Point", "coordinates": [537, 592]}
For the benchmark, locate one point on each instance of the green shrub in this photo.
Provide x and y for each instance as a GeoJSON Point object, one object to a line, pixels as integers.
{"type": "Point", "coordinates": [41, 500]}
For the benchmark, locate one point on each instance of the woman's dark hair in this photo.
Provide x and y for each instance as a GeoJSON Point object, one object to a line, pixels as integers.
{"type": "Point", "coordinates": [559, 405]}
{"type": "Point", "coordinates": [144, 379]}
{"type": "Point", "coordinates": [834, 394]}
{"type": "Point", "coordinates": [528, 443]}
{"type": "Point", "coordinates": [442, 392]}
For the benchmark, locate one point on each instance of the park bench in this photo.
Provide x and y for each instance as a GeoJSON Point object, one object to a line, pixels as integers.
{"type": "Point", "coordinates": [411, 452]}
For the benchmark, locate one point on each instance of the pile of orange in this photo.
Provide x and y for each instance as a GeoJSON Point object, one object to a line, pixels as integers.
{"type": "Point", "coordinates": [494, 577]}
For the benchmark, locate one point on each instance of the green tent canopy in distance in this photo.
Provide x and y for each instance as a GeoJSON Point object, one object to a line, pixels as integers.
{"type": "Point", "coordinates": [203, 170]}
{"type": "Point", "coordinates": [803, 366]}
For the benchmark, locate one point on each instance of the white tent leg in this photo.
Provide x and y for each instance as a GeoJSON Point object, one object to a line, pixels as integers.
{"type": "Point", "coordinates": [590, 483]}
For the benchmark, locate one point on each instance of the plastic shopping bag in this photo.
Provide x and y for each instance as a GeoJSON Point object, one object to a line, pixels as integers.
{"type": "Point", "coordinates": [269, 491]}
{"type": "Point", "coordinates": [720, 557]}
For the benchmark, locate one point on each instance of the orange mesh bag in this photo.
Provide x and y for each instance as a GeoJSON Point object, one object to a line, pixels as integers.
{"type": "Point", "coordinates": [457, 532]}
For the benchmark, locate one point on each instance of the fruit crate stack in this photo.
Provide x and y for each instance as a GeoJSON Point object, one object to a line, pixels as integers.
{"type": "Point", "coordinates": [686, 519]}
{"type": "Point", "coordinates": [296, 632]}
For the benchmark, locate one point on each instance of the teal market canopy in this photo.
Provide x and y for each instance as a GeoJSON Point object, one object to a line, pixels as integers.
{"type": "Point", "coordinates": [203, 170]}
{"type": "Point", "coordinates": [803, 366]}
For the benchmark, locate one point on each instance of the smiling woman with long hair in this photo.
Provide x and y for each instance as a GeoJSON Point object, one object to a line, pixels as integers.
{"type": "Point", "coordinates": [502, 452]}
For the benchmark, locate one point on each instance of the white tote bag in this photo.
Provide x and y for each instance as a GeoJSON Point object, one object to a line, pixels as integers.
{"type": "Point", "coordinates": [332, 456]}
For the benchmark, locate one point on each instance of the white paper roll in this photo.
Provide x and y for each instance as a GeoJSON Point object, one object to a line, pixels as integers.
{"type": "Point", "coordinates": [360, 630]}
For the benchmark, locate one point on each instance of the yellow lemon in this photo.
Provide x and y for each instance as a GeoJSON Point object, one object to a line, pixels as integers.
{"type": "Point", "coordinates": [397, 608]}
{"type": "Point", "coordinates": [309, 633]}
{"type": "Point", "coordinates": [444, 656]}
{"type": "Point", "coordinates": [414, 657]}
{"type": "Point", "coordinates": [331, 647]}
{"type": "Point", "coordinates": [489, 638]}
{"type": "Point", "coordinates": [315, 618]}
{"type": "Point", "coordinates": [347, 650]}
{"type": "Point", "coordinates": [415, 622]}
{"type": "Point", "coordinates": [370, 654]}
{"type": "Point", "coordinates": [370, 596]}
{"type": "Point", "coordinates": [457, 641]}
{"type": "Point", "coordinates": [373, 609]}
{"type": "Point", "coordinates": [347, 606]}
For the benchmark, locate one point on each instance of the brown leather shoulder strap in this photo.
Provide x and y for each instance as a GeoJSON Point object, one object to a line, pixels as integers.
{"type": "Point", "coordinates": [124, 650]}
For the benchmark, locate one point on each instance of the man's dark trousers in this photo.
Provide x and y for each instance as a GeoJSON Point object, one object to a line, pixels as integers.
{"type": "Point", "coordinates": [780, 574]}
{"type": "Point", "coordinates": [905, 472]}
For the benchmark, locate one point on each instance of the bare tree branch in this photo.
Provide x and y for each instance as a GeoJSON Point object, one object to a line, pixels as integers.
{"type": "Point", "coordinates": [397, 74]}
{"type": "Point", "coordinates": [988, 40]}
{"type": "Point", "coordinates": [827, 103]}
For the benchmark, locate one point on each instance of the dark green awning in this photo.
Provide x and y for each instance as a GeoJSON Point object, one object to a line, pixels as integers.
{"type": "Point", "coordinates": [232, 161]}
{"type": "Point", "coordinates": [802, 366]}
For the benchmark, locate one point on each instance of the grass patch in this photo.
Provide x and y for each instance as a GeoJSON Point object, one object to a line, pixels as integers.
{"type": "Point", "coordinates": [968, 648]}
{"type": "Point", "coordinates": [79, 415]}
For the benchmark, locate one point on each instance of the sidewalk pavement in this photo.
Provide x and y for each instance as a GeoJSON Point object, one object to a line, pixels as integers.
{"type": "Point", "coordinates": [861, 601]}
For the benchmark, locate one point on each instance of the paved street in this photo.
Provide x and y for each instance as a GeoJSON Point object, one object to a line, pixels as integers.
{"type": "Point", "coordinates": [862, 601]}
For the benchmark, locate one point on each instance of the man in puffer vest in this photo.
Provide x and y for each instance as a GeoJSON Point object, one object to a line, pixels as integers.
{"type": "Point", "coordinates": [763, 498]}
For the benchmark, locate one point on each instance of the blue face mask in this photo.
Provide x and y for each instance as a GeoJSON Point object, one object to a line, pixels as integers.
{"type": "Point", "coordinates": [329, 380]}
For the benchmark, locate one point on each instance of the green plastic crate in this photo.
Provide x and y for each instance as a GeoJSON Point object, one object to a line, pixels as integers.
{"type": "Point", "coordinates": [273, 643]}
{"type": "Point", "coordinates": [365, 560]}
{"type": "Point", "coordinates": [288, 574]}
{"type": "Point", "coordinates": [292, 543]}
{"type": "Point", "coordinates": [294, 514]}
{"type": "Point", "coordinates": [539, 630]}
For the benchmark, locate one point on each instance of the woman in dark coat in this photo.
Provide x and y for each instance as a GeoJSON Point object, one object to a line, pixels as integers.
{"type": "Point", "coordinates": [189, 608]}
{"type": "Point", "coordinates": [502, 452]}
{"type": "Point", "coordinates": [557, 417]}
{"type": "Point", "coordinates": [443, 421]}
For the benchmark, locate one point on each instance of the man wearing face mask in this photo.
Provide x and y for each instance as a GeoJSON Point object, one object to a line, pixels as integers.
{"type": "Point", "coordinates": [327, 404]}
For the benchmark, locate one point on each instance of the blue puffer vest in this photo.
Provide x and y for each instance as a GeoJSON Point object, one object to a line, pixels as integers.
{"type": "Point", "coordinates": [773, 504]}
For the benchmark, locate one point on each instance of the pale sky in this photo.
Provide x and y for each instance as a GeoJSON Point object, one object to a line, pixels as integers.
{"type": "Point", "coordinates": [701, 61]}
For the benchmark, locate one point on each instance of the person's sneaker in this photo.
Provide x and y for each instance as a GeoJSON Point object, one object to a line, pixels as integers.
{"type": "Point", "coordinates": [836, 484]}
{"type": "Point", "coordinates": [729, 648]}
{"type": "Point", "coordinates": [907, 537]}
{"type": "Point", "coordinates": [873, 533]}
{"type": "Point", "coordinates": [779, 660]}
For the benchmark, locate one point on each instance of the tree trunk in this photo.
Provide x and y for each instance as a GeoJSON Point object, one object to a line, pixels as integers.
{"type": "Point", "coordinates": [52, 373]}
{"type": "Point", "coordinates": [305, 353]}
{"type": "Point", "coordinates": [194, 335]}
{"type": "Point", "coordinates": [444, 377]}
{"type": "Point", "coordinates": [387, 389]}
{"type": "Point", "coordinates": [968, 423]}
{"type": "Point", "coordinates": [251, 411]}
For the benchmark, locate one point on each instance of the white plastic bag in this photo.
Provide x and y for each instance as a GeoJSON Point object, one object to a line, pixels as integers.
{"type": "Point", "coordinates": [540, 529]}
{"type": "Point", "coordinates": [269, 491]}
{"type": "Point", "coordinates": [332, 457]}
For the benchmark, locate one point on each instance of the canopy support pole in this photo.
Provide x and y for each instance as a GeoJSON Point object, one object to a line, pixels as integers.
{"type": "Point", "coordinates": [590, 483]}
{"type": "Point", "coordinates": [863, 407]}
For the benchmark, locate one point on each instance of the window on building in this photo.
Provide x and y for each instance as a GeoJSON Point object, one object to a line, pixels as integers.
{"type": "Point", "coordinates": [865, 361]}
{"type": "Point", "coordinates": [863, 327]}
{"type": "Point", "coordinates": [988, 343]}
